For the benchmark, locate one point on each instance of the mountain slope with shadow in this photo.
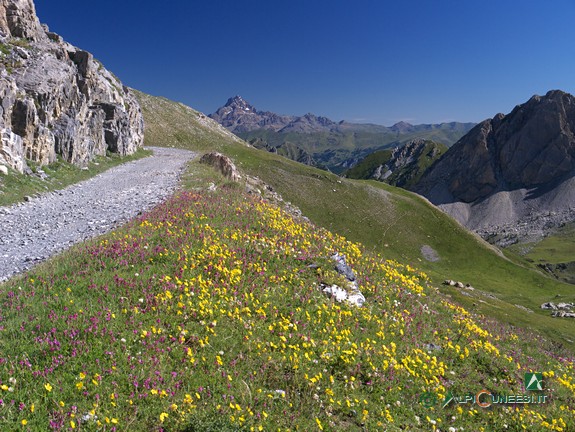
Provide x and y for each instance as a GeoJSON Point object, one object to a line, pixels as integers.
{"type": "Point", "coordinates": [512, 177]}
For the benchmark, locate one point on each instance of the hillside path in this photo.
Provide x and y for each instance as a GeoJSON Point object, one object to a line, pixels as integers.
{"type": "Point", "coordinates": [31, 232]}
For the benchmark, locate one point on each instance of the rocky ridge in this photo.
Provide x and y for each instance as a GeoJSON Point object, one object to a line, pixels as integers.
{"type": "Point", "coordinates": [401, 166]}
{"type": "Point", "coordinates": [512, 173]}
{"type": "Point", "coordinates": [238, 116]}
{"type": "Point", "coordinates": [56, 99]}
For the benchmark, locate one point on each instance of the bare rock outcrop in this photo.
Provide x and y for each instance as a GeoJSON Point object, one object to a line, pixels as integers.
{"type": "Point", "coordinates": [401, 166]}
{"type": "Point", "coordinates": [18, 19]}
{"type": "Point", "coordinates": [223, 164]}
{"type": "Point", "coordinates": [530, 147]}
{"type": "Point", "coordinates": [56, 99]}
{"type": "Point", "coordinates": [510, 168]}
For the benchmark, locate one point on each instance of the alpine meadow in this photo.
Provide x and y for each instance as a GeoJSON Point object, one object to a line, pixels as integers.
{"type": "Point", "coordinates": [271, 272]}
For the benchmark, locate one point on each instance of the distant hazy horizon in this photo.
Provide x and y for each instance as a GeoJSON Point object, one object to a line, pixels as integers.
{"type": "Point", "coordinates": [375, 62]}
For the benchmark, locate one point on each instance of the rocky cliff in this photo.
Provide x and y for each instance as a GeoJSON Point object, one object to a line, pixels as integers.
{"type": "Point", "coordinates": [511, 169]}
{"type": "Point", "coordinates": [56, 99]}
{"type": "Point", "coordinates": [401, 166]}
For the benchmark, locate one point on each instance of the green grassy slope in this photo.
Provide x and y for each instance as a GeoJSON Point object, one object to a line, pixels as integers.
{"type": "Point", "coordinates": [206, 314]}
{"type": "Point", "coordinates": [397, 224]}
{"type": "Point", "coordinates": [172, 124]}
{"type": "Point", "coordinates": [364, 169]}
{"type": "Point", "coordinates": [557, 248]}
{"type": "Point", "coordinates": [555, 252]}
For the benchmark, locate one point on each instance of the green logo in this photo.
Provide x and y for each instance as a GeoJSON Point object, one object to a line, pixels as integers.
{"type": "Point", "coordinates": [428, 399]}
{"type": "Point", "coordinates": [533, 381]}
{"type": "Point", "coordinates": [448, 398]}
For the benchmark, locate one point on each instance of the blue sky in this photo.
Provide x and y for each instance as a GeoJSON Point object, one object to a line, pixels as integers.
{"type": "Point", "coordinates": [421, 61]}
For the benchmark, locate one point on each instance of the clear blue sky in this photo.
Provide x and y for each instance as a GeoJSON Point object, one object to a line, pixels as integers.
{"type": "Point", "coordinates": [422, 61]}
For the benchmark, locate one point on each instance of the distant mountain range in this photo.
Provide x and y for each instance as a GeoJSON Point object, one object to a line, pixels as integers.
{"type": "Point", "coordinates": [238, 116]}
{"type": "Point", "coordinates": [334, 145]}
{"type": "Point", "coordinates": [510, 178]}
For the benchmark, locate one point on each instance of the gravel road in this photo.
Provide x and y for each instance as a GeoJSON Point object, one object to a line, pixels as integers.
{"type": "Point", "coordinates": [31, 232]}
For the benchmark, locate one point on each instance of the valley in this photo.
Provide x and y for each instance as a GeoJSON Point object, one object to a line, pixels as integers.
{"type": "Point", "coordinates": [553, 254]}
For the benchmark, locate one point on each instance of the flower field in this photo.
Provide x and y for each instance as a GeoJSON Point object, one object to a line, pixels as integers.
{"type": "Point", "coordinates": [206, 314]}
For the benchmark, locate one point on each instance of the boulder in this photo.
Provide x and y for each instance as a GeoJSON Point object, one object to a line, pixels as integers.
{"type": "Point", "coordinates": [351, 293]}
{"type": "Point", "coordinates": [339, 294]}
{"type": "Point", "coordinates": [342, 268]}
{"type": "Point", "coordinates": [563, 314]}
{"type": "Point", "coordinates": [223, 164]}
{"type": "Point", "coordinates": [432, 347]}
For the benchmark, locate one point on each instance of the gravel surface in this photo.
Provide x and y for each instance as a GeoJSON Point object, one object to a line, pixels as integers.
{"type": "Point", "coordinates": [33, 231]}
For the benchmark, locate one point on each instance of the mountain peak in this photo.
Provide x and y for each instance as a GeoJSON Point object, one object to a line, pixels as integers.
{"type": "Point", "coordinates": [238, 116]}
{"type": "Point", "coordinates": [401, 126]}
{"type": "Point", "coordinates": [556, 93]}
{"type": "Point", "coordinates": [523, 162]}
{"type": "Point", "coordinates": [237, 102]}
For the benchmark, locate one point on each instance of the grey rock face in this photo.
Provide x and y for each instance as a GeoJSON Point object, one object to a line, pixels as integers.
{"type": "Point", "coordinates": [11, 150]}
{"type": "Point", "coordinates": [18, 19]}
{"type": "Point", "coordinates": [510, 169]}
{"type": "Point", "coordinates": [56, 99]}
{"type": "Point", "coordinates": [532, 146]}
{"type": "Point", "coordinates": [223, 164]}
